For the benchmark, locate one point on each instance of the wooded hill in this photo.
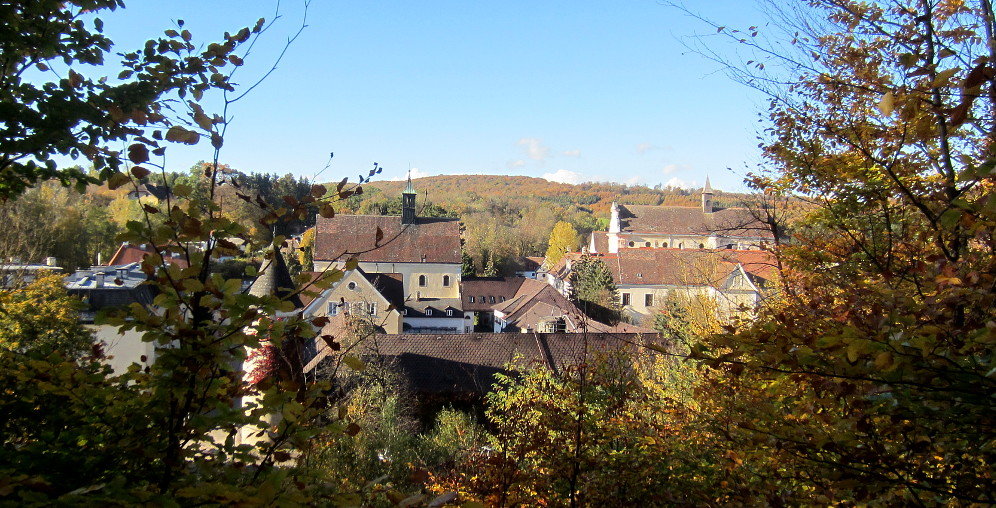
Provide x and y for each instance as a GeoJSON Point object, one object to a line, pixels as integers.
{"type": "Point", "coordinates": [507, 217]}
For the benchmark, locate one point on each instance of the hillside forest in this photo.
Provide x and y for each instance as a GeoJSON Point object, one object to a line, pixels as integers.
{"type": "Point", "coordinates": [504, 217]}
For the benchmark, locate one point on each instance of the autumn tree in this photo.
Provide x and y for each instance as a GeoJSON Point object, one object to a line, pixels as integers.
{"type": "Point", "coordinates": [563, 239]}
{"type": "Point", "coordinates": [872, 381]}
{"type": "Point", "coordinates": [593, 289]}
{"type": "Point", "coordinates": [170, 434]}
{"type": "Point", "coordinates": [41, 316]}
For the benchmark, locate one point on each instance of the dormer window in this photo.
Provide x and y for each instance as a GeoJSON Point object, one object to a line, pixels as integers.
{"type": "Point", "coordinates": [449, 312]}
{"type": "Point", "coordinates": [428, 312]}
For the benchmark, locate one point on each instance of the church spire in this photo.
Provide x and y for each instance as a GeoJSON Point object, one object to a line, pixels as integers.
{"type": "Point", "coordinates": [707, 197]}
{"type": "Point", "coordinates": [408, 202]}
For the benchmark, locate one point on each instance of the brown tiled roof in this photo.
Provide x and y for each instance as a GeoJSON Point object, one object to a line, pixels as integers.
{"type": "Point", "coordinates": [684, 267]}
{"type": "Point", "coordinates": [536, 301]}
{"type": "Point", "coordinates": [439, 306]}
{"type": "Point", "coordinates": [601, 241]}
{"type": "Point", "coordinates": [390, 285]}
{"type": "Point", "coordinates": [128, 253]}
{"type": "Point", "coordinates": [467, 363]}
{"type": "Point", "coordinates": [501, 288]}
{"type": "Point", "coordinates": [680, 220]}
{"type": "Point", "coordinates": [430, 240]}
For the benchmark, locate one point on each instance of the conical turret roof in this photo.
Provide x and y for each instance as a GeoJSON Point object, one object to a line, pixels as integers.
{"type": "Point", "coordinates": [275, 279]}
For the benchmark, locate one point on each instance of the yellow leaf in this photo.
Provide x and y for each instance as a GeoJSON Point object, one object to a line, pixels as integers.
{"type": "Point", "coordinates": [943, 77]}
{"type": "Point", "coordinates": [886, 105]}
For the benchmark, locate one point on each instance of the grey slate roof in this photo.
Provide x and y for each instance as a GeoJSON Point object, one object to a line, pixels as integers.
{"type": "Point", "coordinates": [275, 279]}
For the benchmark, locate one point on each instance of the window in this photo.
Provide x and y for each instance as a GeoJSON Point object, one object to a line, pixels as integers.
{"type": "Point", "coordinates": [449, 312]}
{"type": "Point", "coordinates": [472, 299]}
{"type": "Point", "coordinates": [421, 281]}
{"type": "Point", "coordinates": [483, 299]}
{"type": "Point", "coordinates": [701, 245]}
{"type": "Point", "coordinates": [648, 244]}
{"type": "Point", "coordinates": [446, 280]}
{"type": "Point", "coordinates": [333, 309]}
{"type": "Point", "coordinates": [351, 285]}
{"type": "Point", "coordinates": [625, 298]}
{"type": "Point", "coordinates": [428, 312]}
{"type": "Point", "coordinates": [664, 245]}
{"type": "Point", "coordinates": [501, 298]}
{"type": "Point", "coordinates": [631, 244]}
{"type": "Point", "coordinates": [372, 308]}
{"type": "Point", "coordinates": [491, 300]}
{"type": "Point", "coordinates": [681, 245]}
{"type": "Point", "coordinates": [648, 300]}
{"type": "Point", "coordinates": [404, 311]}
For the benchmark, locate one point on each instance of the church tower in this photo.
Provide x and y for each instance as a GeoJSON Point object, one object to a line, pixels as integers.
{"type": "Point", "coordinates": [707, 197]}
{"type": "Point", "coordinates": [408, 203]}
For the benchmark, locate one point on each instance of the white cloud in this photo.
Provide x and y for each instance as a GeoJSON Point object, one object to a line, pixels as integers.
{"type": "Point", "coordinates": [633, 180]}
{"type": "Point", "coordinates": [671, 168]}
{"type": "Point", "coordinates": [571, 153]}
{"type": "Point", "coordinates": [677, 182]}
{"type": "Point", "coordinates": [534, 149]}
{"type": "Point", "coordinates": [415, 173]}
{"type": "Point", "coordinates": [646, 147]}
{"type": "Point", "coordinates": [515, 164]}
{"type": "Point", "coordinates": [563, 176]}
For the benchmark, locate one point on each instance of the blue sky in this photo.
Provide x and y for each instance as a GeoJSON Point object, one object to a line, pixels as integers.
{"type": "Point", "coordinates": [568, 91]}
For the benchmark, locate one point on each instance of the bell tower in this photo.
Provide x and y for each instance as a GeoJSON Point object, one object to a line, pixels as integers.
{"type": "Point", "coordinates": [707, 197]}
{"type": "Point", "coordinates": [408, 203]}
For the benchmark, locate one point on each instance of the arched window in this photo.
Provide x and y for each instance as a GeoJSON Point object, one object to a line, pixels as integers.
{"type": "Point", "coordinates": [664, 245]}
{"type": "Point", "coordinates": [681, 245]}
{"type": "Point", "coordinates": [648, 244]}
{"type": "Point", "coordinates": [701, 245]}
{"type": "Point", "coordinates": [421, 281]}
{"type": "Point", "coordinates": [631, 244]}
{"type": "Point", "coordinates": [446, 280]}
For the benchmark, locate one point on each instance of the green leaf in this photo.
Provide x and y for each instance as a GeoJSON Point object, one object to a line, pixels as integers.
{"type": "Point", "coordinates": [117, 180]}
{"type": "Point", "coordinates": [354, 363]}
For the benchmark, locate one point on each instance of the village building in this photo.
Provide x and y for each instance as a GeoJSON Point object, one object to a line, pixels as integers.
{"type": "Point", "coordinates": [680, 227]}
{"type": "Point", "coordinates": [734, 280]}
{"type": "Point", "coordinates": [423, 253]}
{"type": "Point", "coordinates": [106, 287]}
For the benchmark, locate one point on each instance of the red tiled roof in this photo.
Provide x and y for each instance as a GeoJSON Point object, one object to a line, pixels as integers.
{"type": "Point", "coordinates": [685, 267]}
{"type": "Point", "coordinates": [128, 253]}
{"type": "Point", "coordinates": [430, 240]}
{"type": "Point", "coordinates": [681, 220]}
